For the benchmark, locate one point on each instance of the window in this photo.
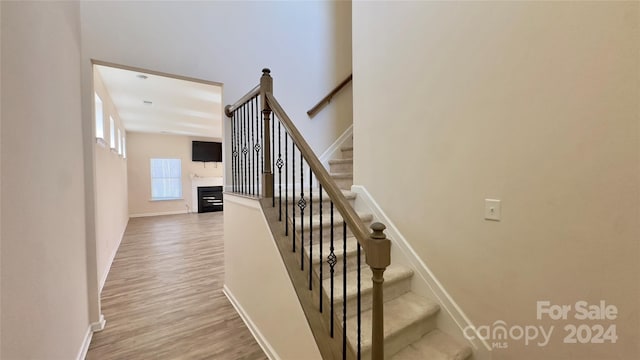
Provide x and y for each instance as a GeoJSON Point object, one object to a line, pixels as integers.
{"type": "Point", "coordinates": [112, 140]}
{"type": "Point", "coordinates": [119, 142]}
{"type": "Point", "coordinates": [166, 179]}
{"type": "Point", "coordinates": [99, 118]}
{"type": "Point", "coordinates": [124, 147]}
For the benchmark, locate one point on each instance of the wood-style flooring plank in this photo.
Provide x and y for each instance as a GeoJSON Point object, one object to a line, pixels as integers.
{"type": "Point", "coordinates": [163, 297]}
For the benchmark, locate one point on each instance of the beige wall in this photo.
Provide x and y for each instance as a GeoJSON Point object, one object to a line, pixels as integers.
{"type": "Point", "coordinates": [112, 211]}
{"type": "Point", "coordinates": [44, 277]}
{"type": "Point", "coordinates": [306, 63]}
{"type": "Point", "coordinates": [535, 104]}
{"type": "Point", "coordinates": [141, 149]}
{"type": "Point", "coordinates": [256, 277]}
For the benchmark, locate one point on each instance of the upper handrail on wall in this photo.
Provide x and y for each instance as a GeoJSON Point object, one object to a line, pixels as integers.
{"type": "Point", "coordinates": [325, 100]}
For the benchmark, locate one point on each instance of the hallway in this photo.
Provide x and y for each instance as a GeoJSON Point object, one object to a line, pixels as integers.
{"type": "Point", "coordinates": [163, 297]}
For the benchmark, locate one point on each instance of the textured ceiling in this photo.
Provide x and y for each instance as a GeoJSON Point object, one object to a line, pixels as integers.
{"type": "Point", "coordinates": [178, 107]}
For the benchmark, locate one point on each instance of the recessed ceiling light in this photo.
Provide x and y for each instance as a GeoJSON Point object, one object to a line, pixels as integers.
{"type": "Point", "coordinates": [147, 102]}
{"type": "Point", "coordinates": [141, 76]}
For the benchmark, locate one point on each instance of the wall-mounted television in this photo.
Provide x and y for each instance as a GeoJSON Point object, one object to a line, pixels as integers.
{"type": "Point", "coordinates": [206, 151]}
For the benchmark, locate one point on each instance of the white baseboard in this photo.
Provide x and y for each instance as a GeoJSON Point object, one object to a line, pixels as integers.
{"type": "Point", "coordinates": [335, 147]}
{"type": "Point", "coordinates": [175, 212]}
{"type": "Point", "coordinates": [88, 335]}
{"type": "Point", "coordinates": [264, 344]}
{"type": "Point", "coordinates": [99, 325]}
{"type": "Point", "coordinates": [454, 320]}
{"type": "Point", "coordinates": [111, 258]}
{"type": "Point", "coordinates": [82, 354]}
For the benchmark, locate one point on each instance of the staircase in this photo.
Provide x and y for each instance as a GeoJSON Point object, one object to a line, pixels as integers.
{"type": "Point", "coordinates": [358, 306]}
{"type": "Point", "coordinates": [410, 331]}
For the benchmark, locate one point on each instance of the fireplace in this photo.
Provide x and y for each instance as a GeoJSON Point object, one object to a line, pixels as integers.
{"type": "Point", "coordinates": [209, 198]}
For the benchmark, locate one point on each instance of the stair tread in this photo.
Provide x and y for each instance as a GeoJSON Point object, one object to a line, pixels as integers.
{"type": "Point", "coordinates": [399, 313]}
{"type": "Point", "coordinates": [346, 148]}
{"type": "Point", "coordinates": [341, 161]}
{"type": "Point", "coordinates": [393, 274]}
{"type": "Point", "coordinates": [342, 175]}
{"type": "Point", "coordinates": [326, 220]}
{"type": "Point", "coordinates": [315, 195]}
{"type": "Point", "coordinates": [435, 345]}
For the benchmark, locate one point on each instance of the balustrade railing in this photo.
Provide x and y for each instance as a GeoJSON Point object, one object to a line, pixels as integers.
{"type": "Point", "coordinates": [271, 160]}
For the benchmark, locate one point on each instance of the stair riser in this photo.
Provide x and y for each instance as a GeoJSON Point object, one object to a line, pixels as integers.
{"type": "Point", "coordinates": [346, 154]}
{"type": "Point", "coordinates": [352, 263]}
{"type": "Point", "coordinates": [326, 232]}
{"type": "Point", "coordinates": [391, 291]}
{"type": "Point", "coordinates": [403, 338]}
{"type": "Point", "coordinates": [341, 168]}
{"type": "Point", "coordinates": [344, 183]}
{"type": "Point", "coordinates": [315, 207]}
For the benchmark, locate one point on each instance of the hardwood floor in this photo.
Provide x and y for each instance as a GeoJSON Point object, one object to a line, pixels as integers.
{"type": "Point", "coordinates": [163, 297]}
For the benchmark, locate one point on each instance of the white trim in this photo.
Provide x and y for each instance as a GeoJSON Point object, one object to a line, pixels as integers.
{"type": "Point", "coordinates": [84, 348]}
{"type": "Point", "coordinates": [175, 212]}
{"type": "Point", "coordinates": [331, 152]}
{"type": "Point", "coordinates": [110, 261]}
{"type": "Point", "coordinates": [456, 321]}
{"type": "Point", "coordinates": [99, 325]}
{"type": "Point", "coordinates": [246, 201]}
{"type": "Point", "coordinates": [94, 327]}
{"type": "Point", "coordinates": [262, 341]}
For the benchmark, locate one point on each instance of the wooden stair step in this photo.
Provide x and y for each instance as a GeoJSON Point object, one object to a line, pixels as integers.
{"type": "Point", "coordinates": [435, 345]}
{"type": "Point", "coordinates": [407, 318]}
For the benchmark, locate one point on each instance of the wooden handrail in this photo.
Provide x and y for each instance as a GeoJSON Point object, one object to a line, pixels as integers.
{"type": "Point", "coordinates": [325, 100]}
{"type": "Point", "coordinates": [229, 109]}
{"type": "Point", "coordinates": [356, 225]}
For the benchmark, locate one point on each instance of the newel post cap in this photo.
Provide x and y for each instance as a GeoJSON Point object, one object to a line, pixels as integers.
{"type": "Point", "coordinates": [266, 71]}
{"type": "Point", "coordinates": [379, 247]}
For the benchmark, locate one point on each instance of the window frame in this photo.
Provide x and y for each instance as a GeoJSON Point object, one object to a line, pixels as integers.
{"type": "Point", "coordinates": [178, 177]}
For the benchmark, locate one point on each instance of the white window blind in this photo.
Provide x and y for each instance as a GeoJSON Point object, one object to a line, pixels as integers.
{"type": "Point", "coordinates": [166, 179]}
{"type": "Point", "coordinates": [99, 118]}
{"type": "Point", "coordinates": [124, 147]}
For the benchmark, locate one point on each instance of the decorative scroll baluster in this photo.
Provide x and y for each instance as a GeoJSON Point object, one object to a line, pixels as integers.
{"type": "Point", "coordinates": [250, 145]}
{"type": "Point", "coordinates": [311, 230]}
{"type": "Point", "coordinates": [301, 204]}
{"type": "Point", "coordinates": [245, 150]}
{"type": "Point", "coordinates": [279, 164]}
{"type": "Point", "coordinates": [332, 260]}
{"type": "Point", "coordinates": [233, 152]}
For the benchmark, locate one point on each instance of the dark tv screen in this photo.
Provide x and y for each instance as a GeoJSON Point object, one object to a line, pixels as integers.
{"type": "Point", "coordinates": [206, 151]}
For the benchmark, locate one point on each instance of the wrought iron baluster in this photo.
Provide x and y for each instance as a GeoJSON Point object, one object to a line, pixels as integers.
{"type": "Point", "coordinates": [321, 241]}
{"type": "Point", "coordinates": [332, 260]}
{"type": "Point", "coordinates": [273, 159]}
{"type": "Point", "coordinates": [311, 229]}
{"type": "Point", "coordinates": [279, 164]}
{"type": "Point", "coordinates": [286, 184]}
{"type": "Point", "coordinates": [249, 152]}
{"type": "Point", "coordinates": [257, 146]}
{"type": "Point", "coordinates": [261, 128]}
{"type": "Point", "coordinates": [302, 204]}
{"type": "Point", "coordinates": [359, 303]}
{"type": "Point", "coordinates": [233, 151]}
{"type": "Point", "coordinates": [344, 289]}
{"type": "Point", "coordinates": [293, 195]}
{"type": "Point", "coordinates": [245, 134]}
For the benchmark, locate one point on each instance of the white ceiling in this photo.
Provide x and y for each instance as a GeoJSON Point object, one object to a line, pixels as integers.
{"type": "Point", "coordinates": [178, 107]}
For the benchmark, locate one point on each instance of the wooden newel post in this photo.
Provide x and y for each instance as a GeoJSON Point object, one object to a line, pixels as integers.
{"type": "Point", "coordinates": [378, 258]}
{"type": "Point", "coordinates": [266, 86]}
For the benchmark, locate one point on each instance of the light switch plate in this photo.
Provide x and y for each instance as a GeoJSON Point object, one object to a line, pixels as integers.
{"type": "Point", "coordinates": [492, 209]}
